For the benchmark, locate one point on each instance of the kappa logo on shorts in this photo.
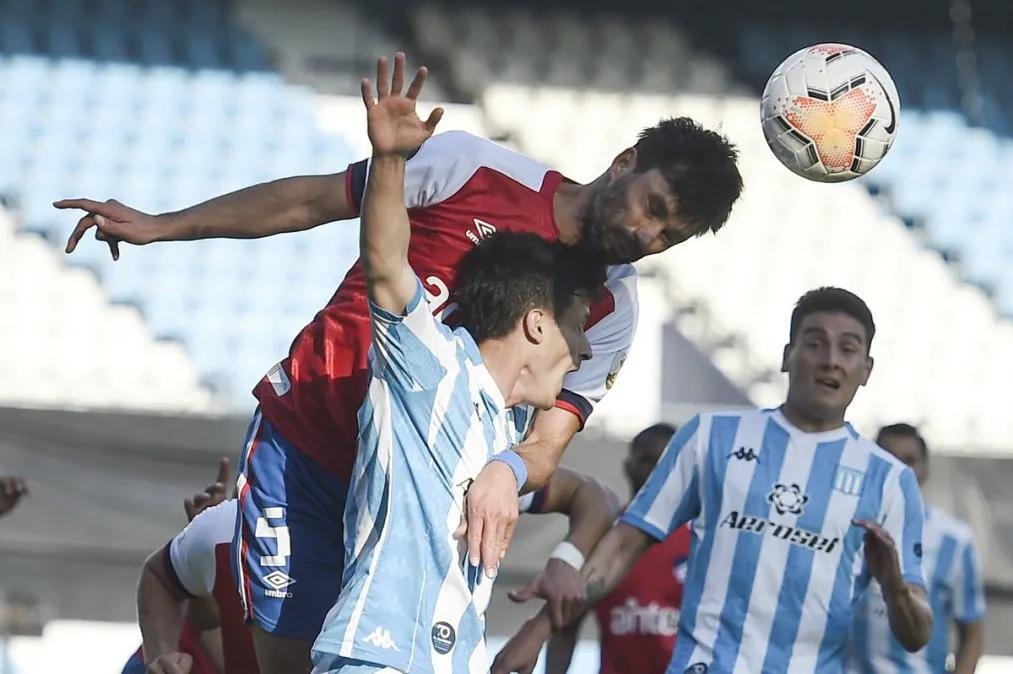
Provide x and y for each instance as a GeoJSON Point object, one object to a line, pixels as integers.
{"type": "Point", "coordinates": [278, 582]}
{"type": "Point", "coordinates": [444, 637]}
{"type": "Point", "coordinates": [381, 639]}
{"type": "Point", "coordinates": [697, 668]}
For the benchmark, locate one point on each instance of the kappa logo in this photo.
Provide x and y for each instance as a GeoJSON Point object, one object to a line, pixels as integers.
{"type": "Point", "coordinates": [483, 230]}
{"type": "Point", "coordinates": [787, 499]}
{"type": "Point", "coordinates": [444, 637]}
{"type": "Point", "coordinates": [381, 639]}
{"type": "Point", "coordinates": [744, 454]}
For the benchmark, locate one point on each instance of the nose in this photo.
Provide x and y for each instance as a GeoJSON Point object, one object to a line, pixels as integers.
{"type": "Point", "coordinates": [648, 233]}
{"type": "Point", "coordinates": [584, 352]}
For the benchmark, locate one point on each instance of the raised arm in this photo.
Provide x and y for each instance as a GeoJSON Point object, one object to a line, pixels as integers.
{"type": "Point", "coordinates": [285, 205]}
{"type": "Point", "coordinates": [395, 131]}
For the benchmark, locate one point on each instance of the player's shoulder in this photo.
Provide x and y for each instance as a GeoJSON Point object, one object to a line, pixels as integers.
{"type": "Point", "coordinates": [470, 153]}
{"type": "Point", "coordinates": [874, 451]}
{"type": "Point", "coordinates": [949, 524]}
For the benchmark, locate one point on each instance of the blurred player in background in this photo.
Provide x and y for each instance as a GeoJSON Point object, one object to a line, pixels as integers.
{"type": "Point", "coordinates": [637, 621]}
{"type": "Point", "coordinates": [954, 580]}
{"type": "Point", "coordinates": [12, 490]}
{"type": "Point", "coordinates": [186, 594]}
{"type": "Point", "coordinates": [786, 506]}
{"type": "Point", "coordinates": [677, 182]}
{"type": "Point", "coordinates": [440, 406]}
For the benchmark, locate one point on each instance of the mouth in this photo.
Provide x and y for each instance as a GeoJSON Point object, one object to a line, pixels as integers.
{"type": "Point", "coordinates": [828, 383]}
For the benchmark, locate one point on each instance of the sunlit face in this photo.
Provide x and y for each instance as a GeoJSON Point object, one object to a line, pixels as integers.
{"type": "Point", "coordinates": [826, 364]}
{"type": "Point", "coordinates": [632, 216]}
{"type": "Point", "coordinates": [563, 347]}
{"type": "Point", "coordinates": [909, 450]}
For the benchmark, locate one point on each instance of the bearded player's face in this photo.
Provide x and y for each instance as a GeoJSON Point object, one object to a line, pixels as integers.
{"type": "Point", "coordinates": [632, 216]}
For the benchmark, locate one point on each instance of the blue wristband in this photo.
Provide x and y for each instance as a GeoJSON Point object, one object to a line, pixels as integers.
{"type": "Point", "coordinates": [516, 463]}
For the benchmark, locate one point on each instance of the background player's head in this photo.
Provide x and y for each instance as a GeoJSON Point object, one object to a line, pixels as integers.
{"type": "Point", "coordinates": [827, 355]}
{"type": "Point", "coordinates": [646, 448]}
{"type": "Point", "coordinates": [680, 180]}
{"type": "Point", "coordinates": [906, 443]}
{"type": "Point", "coordinates": [533, 298]}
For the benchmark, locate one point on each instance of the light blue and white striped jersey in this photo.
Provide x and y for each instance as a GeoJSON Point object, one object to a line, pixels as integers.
{"type": "Point", "coordinates": [776, 563]}
{"type": "Point", "coordinates": [954, 584]}
{"type": "Point", "coordinates": [432, 418]}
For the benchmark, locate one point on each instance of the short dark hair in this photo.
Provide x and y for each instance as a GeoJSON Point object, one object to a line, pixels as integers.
{"type": "Point", "coordinates": [903, 430]}
{"type": "Point", "coordinates": [658, 432]}
{"type": "Point", "coordinates": [509, 273]}
{"type": "Point", "coordinates": [699, 166]}
{"type": "Point", "coordinates": [834, 300]}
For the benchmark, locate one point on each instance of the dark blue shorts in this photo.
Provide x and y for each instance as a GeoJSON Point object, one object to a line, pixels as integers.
{"type": "Point", "coordinates": [288, 549]}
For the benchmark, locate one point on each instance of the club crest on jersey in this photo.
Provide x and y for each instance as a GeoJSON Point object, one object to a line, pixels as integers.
{"type": "Point", "coordinates": [482, 230]}
{"type": "Point", "coordinates": [849, 481]}
{"type": "Point", "coordinates": [617, 364]}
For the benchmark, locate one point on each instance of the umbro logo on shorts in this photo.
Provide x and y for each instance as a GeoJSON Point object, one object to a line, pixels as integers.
{"type": "Point", "coordinates": [278, 581]}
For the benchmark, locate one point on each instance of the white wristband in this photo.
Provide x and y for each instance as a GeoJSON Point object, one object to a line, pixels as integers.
{"type": "Point", "coordinates": [568, 552]}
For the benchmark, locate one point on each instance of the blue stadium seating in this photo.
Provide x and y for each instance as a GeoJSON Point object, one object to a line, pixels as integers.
{"type": "Point", "coordinates": [161, 138]}
{"type": "Point", "coordinates": [185, 33]}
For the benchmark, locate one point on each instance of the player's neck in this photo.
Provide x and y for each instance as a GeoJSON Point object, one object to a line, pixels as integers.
{"type": "Point", "coordinates": [504, 363]}
{"type": "Point", "coordinates": [807, 423]}
{"type": "Point", "coordinates": [568, 203]}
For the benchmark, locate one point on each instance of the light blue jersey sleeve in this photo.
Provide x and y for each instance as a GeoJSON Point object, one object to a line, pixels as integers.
{"type": "Point", "coordinates": [969, 592]}
{"type": "Point", "coordinates": [671, 495]}
{"type": "Point", "coordinates": [409, 350]}
{"type": "Point", "coordinates": [904, 520]}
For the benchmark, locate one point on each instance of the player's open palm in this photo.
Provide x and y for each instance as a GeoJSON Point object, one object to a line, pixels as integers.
{"type": "Point", "coordinates": [392, 123]}
{"type": "Point", "coordinates": [881, 554]}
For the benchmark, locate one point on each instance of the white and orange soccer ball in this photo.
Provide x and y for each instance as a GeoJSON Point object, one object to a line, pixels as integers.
{"type": "Point", "coordinates": [830, 112]}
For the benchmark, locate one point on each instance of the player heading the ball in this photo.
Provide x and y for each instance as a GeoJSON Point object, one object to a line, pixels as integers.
{"type": "Point", "coordinates": [439, 407]}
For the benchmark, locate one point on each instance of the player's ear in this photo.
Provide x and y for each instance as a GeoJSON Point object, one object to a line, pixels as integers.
{"type": "Point", "coordinates": [869, 362]}
{"type": "Point", "coordinates": [624, 162]}
{"type": "Point", "coordinates": [784, 357]}
{"type": "Point", "coordinates": [533, 324]}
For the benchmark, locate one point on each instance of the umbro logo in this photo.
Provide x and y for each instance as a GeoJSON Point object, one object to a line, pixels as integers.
{"type": "Point", "coordinates": [279, 580]}
{"type": "Point", "coordinates": [381, 639]}
{"type": "Point", "coordinates": [744, 454]}
{"type": "Point", "coordinates": [482, 230]}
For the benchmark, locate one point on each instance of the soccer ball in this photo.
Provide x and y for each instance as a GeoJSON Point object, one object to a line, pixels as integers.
{"type": "Point", "coordinates": [830, 112]}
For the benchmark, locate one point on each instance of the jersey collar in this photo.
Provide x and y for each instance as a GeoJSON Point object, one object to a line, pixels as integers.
{"type": "Point", "coordinates": [838, 433]}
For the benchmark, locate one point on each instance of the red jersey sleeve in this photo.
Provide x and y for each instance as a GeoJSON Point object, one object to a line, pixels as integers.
{"type": "Point", "coordinates": [610, 330]}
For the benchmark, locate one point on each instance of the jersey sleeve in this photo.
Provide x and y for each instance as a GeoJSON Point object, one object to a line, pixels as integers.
{"type": "Point", "coordinates": [433, 174]}
{"type": "Point", "coordinates": [671, 495]}
{"type": "Point", "coordinates": [968, 591]}
{"type": "Point", "coordinates": [904, 520]}
{"type": "Point", "coordinates": [610, 331]}
{"type": "Point", "coordinates": [410, 349]}
{"type": "Point", "coordinates": [191, 553]}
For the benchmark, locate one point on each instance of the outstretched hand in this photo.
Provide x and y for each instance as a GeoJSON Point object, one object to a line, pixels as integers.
{"type": "Point", "coordinates": [113, 223]}
{"type": "Point", "coordinates": [392, 123]}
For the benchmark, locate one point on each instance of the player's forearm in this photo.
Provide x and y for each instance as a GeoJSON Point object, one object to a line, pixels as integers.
{"type": "Point", "coordinates": [910, 615]}
{"type": "Point", "coordinates": [595, 507]}
{"type": "Point", "coordinates": [559, 650]}
{"type": "Point", "coordinates": [543, 448]}
{"type": "Point", "coordinates": [285, 205]}
{"type": "Point", "coordinates": [384, 234]}
{"type": "Point", "coordinates": [612, 559]}
{"type": "Point", "coordinates": [970, 646]}
{"type": "Point", "coordinates": [159, 614]}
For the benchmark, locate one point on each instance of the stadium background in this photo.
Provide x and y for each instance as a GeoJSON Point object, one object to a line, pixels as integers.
{"type": "Point", "coordinates": [122, 383]}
